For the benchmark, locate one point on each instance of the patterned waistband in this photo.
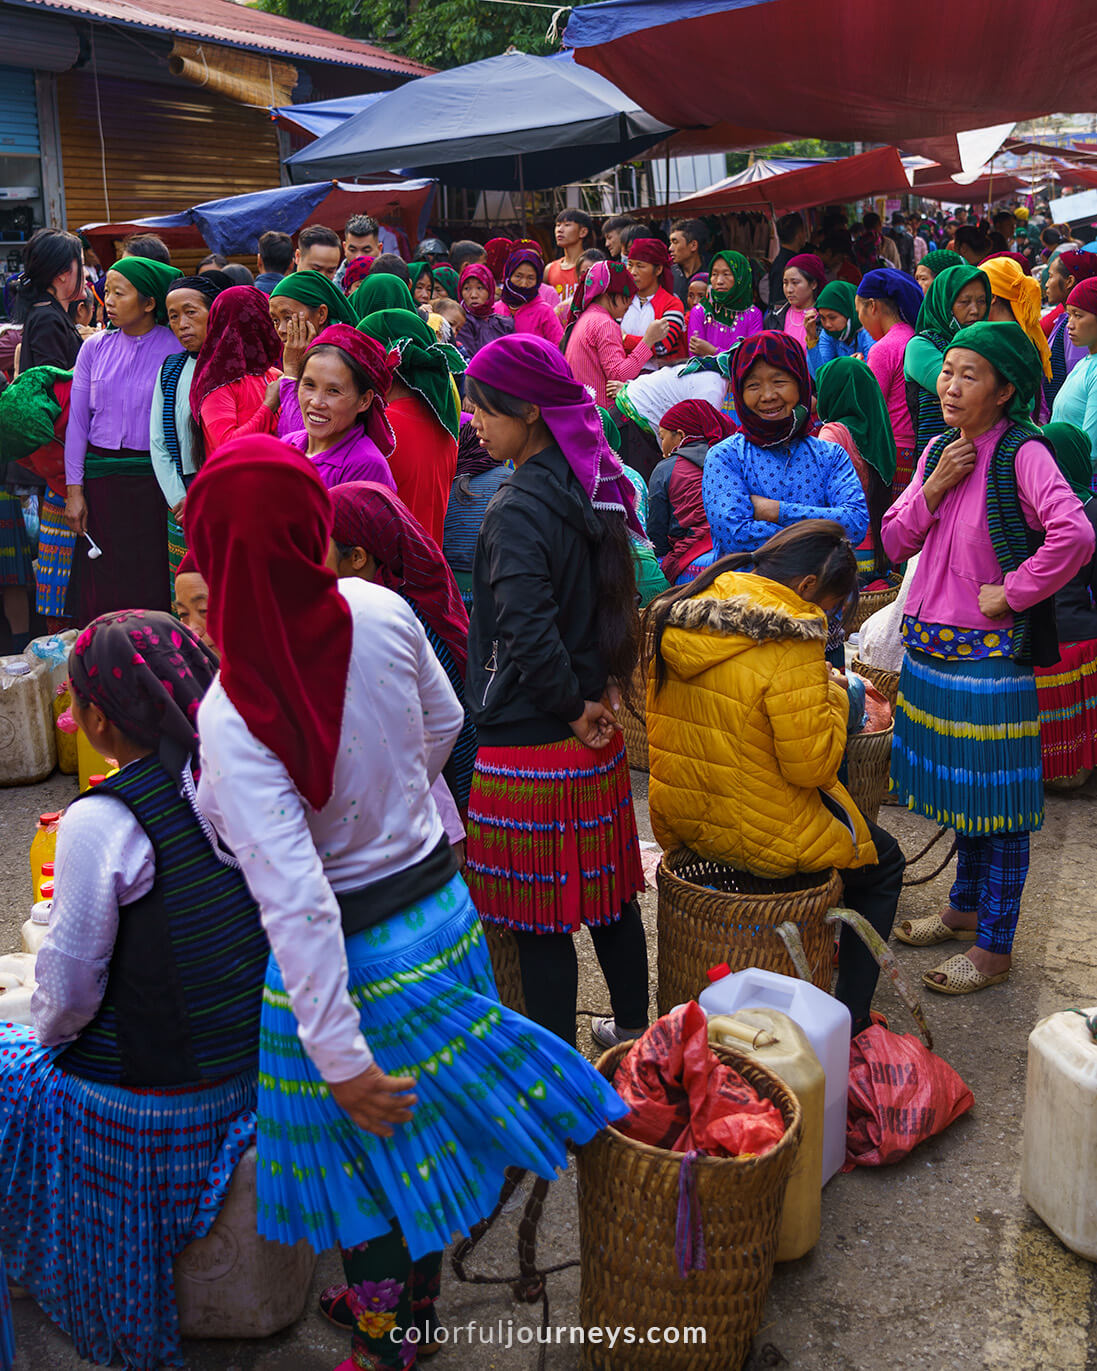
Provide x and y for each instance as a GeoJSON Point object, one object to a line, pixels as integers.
{"type": "Point", "coordinates": [962, 644]}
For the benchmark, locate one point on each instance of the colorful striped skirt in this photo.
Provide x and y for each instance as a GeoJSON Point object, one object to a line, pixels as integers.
{"type": "Point", "coordinates": [15, 559]}
{"type": "Point", "coordinates": [494, 1090]}
{"type": "Point", "coordinates": [906, 459]}
{"type": "Point", "coordinates": [552, 840]}
{"type": "Point", "coordinates": [177, 549]}
{"type": "Point", "coordinates": [55, 544]}
{"type": "Point", "coordinates": [102, 1187]}
{"type": "Point", "coordinates": [967, 744]}
{"type": "Point", "coordinates": [1067, 694]}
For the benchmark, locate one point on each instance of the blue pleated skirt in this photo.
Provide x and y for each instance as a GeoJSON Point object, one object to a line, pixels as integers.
{"type": "Point", "coordinates": [967, 744]}
{"type": "Point", "coordinates": [495, 1090]}
{"type": "Point", "coordinates": [101, 1187]}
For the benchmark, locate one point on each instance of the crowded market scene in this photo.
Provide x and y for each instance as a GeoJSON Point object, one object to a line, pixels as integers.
{"type": "Point", "coordinates": [562, 588]}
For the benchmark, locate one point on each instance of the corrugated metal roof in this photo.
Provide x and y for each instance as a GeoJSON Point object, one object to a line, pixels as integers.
{"type": "Point", "coordinates": [238, 26]}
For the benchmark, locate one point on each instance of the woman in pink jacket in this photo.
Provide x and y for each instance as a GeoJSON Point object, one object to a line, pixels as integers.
{"type": "Point", "coordinates": [979, 616]}
{"type": "Point", "coordinates": [521, 297]}
{"type": "Point", "coordinates": [593, 344]}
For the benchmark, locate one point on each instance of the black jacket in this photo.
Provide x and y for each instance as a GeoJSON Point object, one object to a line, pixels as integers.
{"type": "Point", "coordinates": [533, 639]}
{"type": "Point", "coordinates": [1075, 615]}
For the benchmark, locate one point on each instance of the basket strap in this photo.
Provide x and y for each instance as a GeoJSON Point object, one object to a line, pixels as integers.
{"type": "Point", "coordinates": [689, 1238]}
{"type": "Point", "coordinates": [789, 933]}
{"type": "Point", "coordinates": [885, 959]}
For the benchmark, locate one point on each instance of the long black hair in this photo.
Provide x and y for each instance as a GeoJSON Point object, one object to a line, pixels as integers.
{"type": "Point", "coordinates": [50, 253]}
{"type": "Point", "coordinates": [813, 547]}
{"type": "Point", "coordinates": [616, 612]}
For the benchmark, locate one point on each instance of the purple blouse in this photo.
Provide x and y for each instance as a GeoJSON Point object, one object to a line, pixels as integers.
{"type": "Point", "coordinates": [113, 384]}
{"type": "Point", "coordinates": [722, 336]}
{"type": "Point", "coordinates": [355, 457]}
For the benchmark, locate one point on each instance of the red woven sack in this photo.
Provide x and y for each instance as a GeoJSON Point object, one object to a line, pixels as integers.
{"type": "Point", "coordinates": [684, 1098]}
{"type": "Point", "coordinates": [900, 1093]}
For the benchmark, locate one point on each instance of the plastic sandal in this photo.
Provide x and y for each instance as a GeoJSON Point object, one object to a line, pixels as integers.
{"type": "Point", "coordinates": [335, 1306]}
{"type": "Point", "coordinates": [961, 977]}
{"type": "Point", "coordinates": [930, 931]}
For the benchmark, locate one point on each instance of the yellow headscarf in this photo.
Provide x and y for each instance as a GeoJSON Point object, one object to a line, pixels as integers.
{"type": "Point", "coordinates": [1009, 282]}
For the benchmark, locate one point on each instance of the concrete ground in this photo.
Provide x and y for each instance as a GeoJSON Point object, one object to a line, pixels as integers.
{"type": "Point", "coordinates": [935, 1264]}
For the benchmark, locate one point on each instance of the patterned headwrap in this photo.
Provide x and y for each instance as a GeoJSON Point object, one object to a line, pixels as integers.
{"type": "Point", "coordinates": [602, 278]}
{"type": "Point", "coordinates": [472, 456]}
{"type": "Point", "coordinates": [240, 341]}
{"type": "Point", "coordinates": [940, 260]}
{"type": "Point", "coordinates": [409, 561]}
{"type": "Point", "coordinates": [529, 368]}
{"type": "Point", "coordinates": [516, 296]}
{"type": "Point", "coordinates": [655, 251]}
{"type": "Point", "coordinates": [811, 266]}
{"type": "Point", "coordinates": [497, 250]}
{"type": "Point", "coordinates": [446, 277]}
{"type": "Point", "coordinates": [207, 283]}
{"type": "Point", "coordinates": [313, 288]}
{"type": "Point", "coordinates": [779, 350]}
{"type": "Point", "coordinates": [1009, 282]}
{"type": "Point", "coordinates": [357, 269]}
{"type": "Point", "coordinates": [378, 363]}
{"type": "Point", "coordinates": [148, 278]}
{"type": "Point", "coordinates": [1080, 265]}
{"type": "Point", "coordinates": [885, 283]}
{"type": "Point", "coordinates": [698, 419]}
{"type": "Point", "coordinates": [478, 271]}
{"type": "Point", "coordinates": [725, 305]}
{"type": "Point", "coordinates": [148, 674]}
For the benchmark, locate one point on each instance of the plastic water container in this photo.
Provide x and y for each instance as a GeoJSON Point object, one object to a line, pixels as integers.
{"type": "Point", "coordinates": [773, 1039]}
{"type": "Point", "coordinates": [68, 758]}
{"type": "Point", "coordinates": [825, 1021]}
{"type": "Point", "coordinates": [28, 743]}
{"type": "Point", "coordinates": [89, 762]}
{"type": "Point", "coordinates": [38, 925]}
{"type": "Point", "coordinates": [17, 986]}
{"type": "Point", "coordinates": [1059, 1155]}
{"type": "Point", "coordinates": [43, 846]}
{"type": "Point", "coordinates": [52, 652]}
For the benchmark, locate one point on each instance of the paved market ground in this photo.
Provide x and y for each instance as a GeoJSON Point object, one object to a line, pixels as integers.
{"type": "Point", "coordinates": [932, 1265]}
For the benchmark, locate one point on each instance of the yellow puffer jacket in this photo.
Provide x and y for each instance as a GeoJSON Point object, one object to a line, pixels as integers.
{"type": "Point", "coordinates": [747, 730]}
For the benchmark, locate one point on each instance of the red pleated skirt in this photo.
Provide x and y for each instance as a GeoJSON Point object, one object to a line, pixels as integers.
{"type": "Point", "coordinates": [906, 459]}
{"type": "Point", "coordinates": [1067, 695]}
{"type": "Point", "coordinates": [552, 839]}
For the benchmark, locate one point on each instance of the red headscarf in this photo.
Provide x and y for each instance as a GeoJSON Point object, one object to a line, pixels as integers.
{"type": "Point", "coordinates": [811, 266]}
{"type": "Point", "coordinates": [1084, 295]}
{"type": "Point", "coordinates": [240, 341]}
{"type": "Point", "coordinates": [1080, 265]}
{"type": "Point", "coordinates": [259, 522]}
{"type": "Point", "coordinates": [409, 561]}
{"type": "Point", "coordinates": [779, 350]}
{"type": "Point", "coordinates": [1018, 257]}
{"type": "Point", "coordinates": [657, 253]}
{"type": "Point", "coordinates": [357, 269]}
{"type": "Point", "coordinates": [478, 271]}
{"type": "Point", "coordinates": [698, 419]}
{"type": "Point", "coordinates": [378, 364]}
{"type": "Point", "coordinates": [498, 250]}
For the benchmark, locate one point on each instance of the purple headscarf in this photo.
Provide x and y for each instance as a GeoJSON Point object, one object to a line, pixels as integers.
{"type": "Point", "coordinates": [517, 296]}
{"type": "Point", "coordinates": [529, 368]}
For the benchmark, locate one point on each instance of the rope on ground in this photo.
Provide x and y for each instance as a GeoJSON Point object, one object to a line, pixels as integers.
{"type": "Point", "coordinates": [911, 861]}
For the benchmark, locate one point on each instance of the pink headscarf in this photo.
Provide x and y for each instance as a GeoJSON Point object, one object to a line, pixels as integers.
{"type": "Point", "coordinates": [529, 368]}
{"type": "Point", "coordinates": [378, 365]}
{"type": "Point", "coordinates": [478, 271]}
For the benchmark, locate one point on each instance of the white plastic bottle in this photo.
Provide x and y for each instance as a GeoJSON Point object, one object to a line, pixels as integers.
{"type": "Point", "coordinates": [38, 925]}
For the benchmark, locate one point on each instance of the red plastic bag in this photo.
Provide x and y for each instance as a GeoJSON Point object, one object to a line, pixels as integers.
{"type": "Point", "coordinates": [900, 1094]}
{"type": "Point", "coordinates": [684, 1098]}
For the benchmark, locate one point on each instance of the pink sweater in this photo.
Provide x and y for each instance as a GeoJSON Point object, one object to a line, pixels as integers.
{"type": "Point", "coordinates": [536, 317]}
{"type": "Point", "coordinates": [885, 361]}
{"type": "Point", "coordinates": [959, 554]}
{"type": "Point", "coordinates": [596, 353]}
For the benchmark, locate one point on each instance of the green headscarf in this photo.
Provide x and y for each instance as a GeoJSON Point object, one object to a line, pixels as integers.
{"type": "Point", "coordinates": [446, 277]}
{"type": "Point", "coordinates": [846, 392]}
{"type": "Point", "coordinates": [609, 428]}
{"type": "Point", "coordinates": [417, 270]}
{"type": "Point", "coordinates": [1072, 450]}
{"type": "Point", "coordinates": [841, 297]}
{"type": "Point", "coordinates": [724, 305]}
{"type": "Point", "coordinates": [940, 260]}
{"type": "Point", "coordinates": [1011, 353]}
{"type": "Point", "coordinates": [314, 289]}
{"type": "Point", "coordinates": [936, 320]}
{"type": "Point", "coordinates": [426, 365]}
{"type": "Point", "coordinates": [152, 279]}
{"type": "Point", "coordinates": [380, 291]}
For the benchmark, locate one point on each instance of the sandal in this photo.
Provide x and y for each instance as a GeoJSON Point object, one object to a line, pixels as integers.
{"type": "Point", "coordinates": [930, 931]}
{"type": "Point", "coordinates": [962, 977]}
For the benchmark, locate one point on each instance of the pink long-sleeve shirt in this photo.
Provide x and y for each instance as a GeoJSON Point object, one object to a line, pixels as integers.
{"type": "Point", "coordinates": [885, 361]}
{"type": "Point", "coordinates": [596, 353]}
{"type": "Point", "coordinates": [956, 540]}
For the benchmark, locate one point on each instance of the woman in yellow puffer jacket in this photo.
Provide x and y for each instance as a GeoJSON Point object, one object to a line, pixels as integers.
{"type": "Point", "coordinates": [747, 727]}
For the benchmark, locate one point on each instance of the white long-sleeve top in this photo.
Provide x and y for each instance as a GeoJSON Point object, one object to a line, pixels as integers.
{"type": "Point", "coordinates": [400, 720]}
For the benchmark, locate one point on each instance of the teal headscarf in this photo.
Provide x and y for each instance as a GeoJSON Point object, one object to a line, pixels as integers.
{"type": "Point", "coordinates": [846, 392]}
{"type": "Point", "coordinates": [426, 365]}
{"type": "Point", "coordinates": [314, 289]}
{"type": "Point", "coordinates": [1011, 353]}
{"type": "Point", "coordinates": [152, 279]}
{"type": "Point", "coordinates": [841, 297]}
{"type": "Point", "coordinates": [380, 291]}
{"type": "Point", "coordinates": [1072, 450]}
{"type": "Point", "coordinates": [725, 305]}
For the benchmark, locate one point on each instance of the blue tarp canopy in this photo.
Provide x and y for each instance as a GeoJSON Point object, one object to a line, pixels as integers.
{"type": "Point", "coordinates": [321, 116]}
{"type": "Point", "coordinates": [502, 124]}
{"type": "Point", "coordinates": [232, 226]}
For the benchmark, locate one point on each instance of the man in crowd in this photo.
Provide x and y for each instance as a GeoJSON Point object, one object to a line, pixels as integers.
{"type": "Point", "coordinates": [791, 234]}
{"type": "Point", "coordinates": [275, 258]}
{"type": "Point", "coordinates": [901, 236]}
{"type": "Point", "coordinates": [318, 250]}
{"type": "Point", "coordinates": [148, 245]}
{"type": "Point", "coordinates": [611, 234]}
{"type": "Point", "coordinates": [688, 237]}
{"type": "Point", "coordinates": [574, 233]}
{"type": "Point", "coordinates": [361, 238]}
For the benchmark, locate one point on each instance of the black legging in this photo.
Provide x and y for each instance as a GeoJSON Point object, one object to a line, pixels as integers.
{"type": "Point", "coordinates": [550, 973]}
{"type": "Point", "coordinates": [874, 892]}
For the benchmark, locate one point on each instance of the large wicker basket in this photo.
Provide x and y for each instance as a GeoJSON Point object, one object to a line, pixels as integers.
{"type": "Point", "coordinates": [504, 963]}
{"type": "Point", "coordinates": [868, 756]}
{"type": "Point", "coordinates": [886, 682]}
{"type": "Point", "coordinates": [736, 922]}
{"type": "Point", "coordinates": [628, 1209]}
{"type": "Point", "coordinates": [634, 722]}
{"type": "Point", "coordinates": [873, 600]}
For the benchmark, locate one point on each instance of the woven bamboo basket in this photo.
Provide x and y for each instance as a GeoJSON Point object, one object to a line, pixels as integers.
{"type": "Point", "coordinates": [886, 682]}
{"type": "Point", "coordinates": [504, 963]}
{"type": "Point", "coordinates": [868, 756]}
{"type": "Point", "coordinates": [628, 1208]}
{"type": "Point", "coordinates": [873, 600]}
{"type": "Point", "coordinates": [700, 927]}
{"type": "Point", "coordinates": [634, 722]}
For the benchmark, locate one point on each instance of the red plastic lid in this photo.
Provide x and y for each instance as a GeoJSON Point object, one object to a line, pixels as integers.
{"type": "Point", "coordinates": [717, 973]}
{"type": "Point", "coordinates": [45, 819]}
{"type": "Point", "coordinates": [93, 781]}
{"type": "Point", "coordinates": [47, 869]}
{"type": "Point", "coordinates": [45, 890]}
